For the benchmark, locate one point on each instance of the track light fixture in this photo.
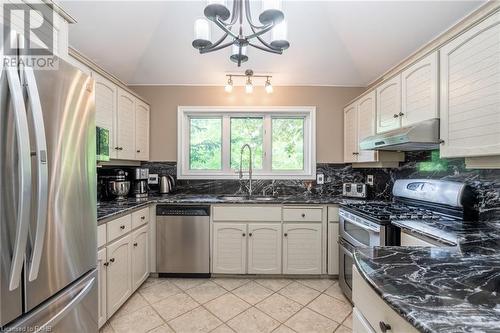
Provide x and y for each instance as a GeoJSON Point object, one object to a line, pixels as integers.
{"type": "Point", "coordinates": [249, 75]}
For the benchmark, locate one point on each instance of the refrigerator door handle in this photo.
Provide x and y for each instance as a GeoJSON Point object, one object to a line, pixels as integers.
{"type": "Point", "coordinates": [68, 308]}
{"type": "Point", "coordinates": [43, 172]}
{"type": "Point", "coordinates": [24, 200]}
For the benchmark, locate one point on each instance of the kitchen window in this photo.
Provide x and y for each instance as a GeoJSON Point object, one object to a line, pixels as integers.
{"type": "Point", "coordinates": [282, 140]}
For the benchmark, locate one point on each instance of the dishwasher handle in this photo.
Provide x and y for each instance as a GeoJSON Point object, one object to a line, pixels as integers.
{"type": "Point", "coordinates": [182, 210]}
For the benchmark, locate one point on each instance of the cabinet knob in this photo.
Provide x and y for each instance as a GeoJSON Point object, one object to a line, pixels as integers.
{"type": "Point", "coordinates": [249, 234]}
{"type": "Point", "coordinates": [384, 327]}
{"type": "Point", "coordinates": [117, 148]}
{"type": "Point", "coordinates": [355, 153]}
{"type": "Point", "coordinates": [106, 264]}
{"type": "Point", "coordinates": [243, 235]}
{"type": "Point", "coordinates": [395, 116]}
{"type": "Point", "coordinates": [122, 227]}
{"type": "Point", "coordinates": [135, 244]}
{"type": "Point", "coordinates": [138, 150]}
{"type": "Point", "coordinates": [143, 217]}
{"type": "Point", "coordinates": [401, 114]}
{"type": "Point", "coordinates": [112, 260]}
{"type": "Point", "coordinates": [285, 234]}
{"type": "Point", "coordinates": [303, 215]}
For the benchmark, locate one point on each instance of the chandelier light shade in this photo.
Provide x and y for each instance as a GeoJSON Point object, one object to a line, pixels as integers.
{"type": "Point", "coordinates": [271, 19]}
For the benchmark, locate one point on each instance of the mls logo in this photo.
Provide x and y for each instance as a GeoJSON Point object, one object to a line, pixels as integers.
{"type": "Point", "coordinates": [34, 23]}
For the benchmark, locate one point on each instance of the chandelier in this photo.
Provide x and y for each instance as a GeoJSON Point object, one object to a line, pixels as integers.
{"type": "Point", "coordinates": [271, 20]}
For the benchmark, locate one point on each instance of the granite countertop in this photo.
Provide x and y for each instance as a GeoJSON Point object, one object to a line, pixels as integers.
{"type": "Point", "coordinates": [441, 289]}
{"type": "Point", "coordinates": [109, 209]}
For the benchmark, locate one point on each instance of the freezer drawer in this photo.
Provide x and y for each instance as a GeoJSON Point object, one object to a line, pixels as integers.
{"type": "Point", "coordinates": [72, 310]}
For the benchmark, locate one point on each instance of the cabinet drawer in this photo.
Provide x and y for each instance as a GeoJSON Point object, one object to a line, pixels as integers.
{"type": "Point", "coordinates": [140, 217]}
{"type": "Point", "coordinates": [374, 309]}
{"type": "Point", "coordinates": [247, 213]}
{"type": "Point", "coordinates": [302, 214]}
{"type": "Point", "coordinates": [101, 235]}
{"type": "Point", "coordinates": [119, 227]}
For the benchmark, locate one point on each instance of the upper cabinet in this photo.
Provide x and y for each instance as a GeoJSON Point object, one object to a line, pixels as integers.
{"type": "Point", "coordinates": [141, 131]}
{"type": "Point", "coordinates": [106, 95]}
{"type": "Point", "coordinates": [470, 92]}
{"type": "Point", "coordinates": [389, 105]}
{"type": "Point", "coordinates": [366, 125]}
{"type": "Point", "coordinates": [419, 91]}
{"type": "Point", "coordinates": [350, 133]}
{"type": "Point", "coordinates": [125, 137]}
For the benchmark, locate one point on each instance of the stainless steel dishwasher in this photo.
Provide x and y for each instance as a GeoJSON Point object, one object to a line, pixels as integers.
{"type": "Point", "coordinates": [183, 240]}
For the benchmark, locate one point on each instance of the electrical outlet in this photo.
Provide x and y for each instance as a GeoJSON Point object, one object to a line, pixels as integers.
{"type": "Point", "coordinates": [153, 179]}
{"type": "Point", "coordinates": [320, 179]}
{"type": "Point", "coordinates": [370, 180]}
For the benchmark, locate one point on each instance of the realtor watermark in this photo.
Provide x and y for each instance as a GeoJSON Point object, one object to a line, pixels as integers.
{"type": "Point", "coordinates": [28, 36]}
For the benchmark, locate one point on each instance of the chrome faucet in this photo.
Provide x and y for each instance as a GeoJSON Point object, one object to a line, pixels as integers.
{"type": "Point", "coordinates": [246, 145]}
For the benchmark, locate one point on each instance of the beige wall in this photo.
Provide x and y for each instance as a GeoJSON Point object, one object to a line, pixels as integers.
{"type": "Point", "coordinates": [329, 102]}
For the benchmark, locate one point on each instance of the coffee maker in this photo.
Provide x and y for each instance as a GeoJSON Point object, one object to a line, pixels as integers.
{"type": "Point", "coordinates": [140, 178]}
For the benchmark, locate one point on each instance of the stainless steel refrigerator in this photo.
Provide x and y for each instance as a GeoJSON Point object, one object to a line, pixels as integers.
{"type": "Point", "coordinates": [48, 278]}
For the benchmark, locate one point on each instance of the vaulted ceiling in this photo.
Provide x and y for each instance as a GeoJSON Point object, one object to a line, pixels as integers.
{"type": "Point", "coordinates": [340, 43]}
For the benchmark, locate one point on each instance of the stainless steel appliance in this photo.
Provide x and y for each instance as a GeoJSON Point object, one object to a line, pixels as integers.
{"type": "Point", "coordinates": [118, 185]}
{"type": "Point", "coordinates": [140, 179]}
{"type": "Point", "coordinates": [183, 240]}
{"type": "Point", "coordinates": [48, 212]}
{"type": "Point", "coordinates": [354, 190]}
{"type": "Point", "coordinates": [369, 224]}
{"type": "Point", "coordinates": [167, 184]}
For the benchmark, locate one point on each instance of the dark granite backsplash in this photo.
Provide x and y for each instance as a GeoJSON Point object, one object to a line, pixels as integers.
{"type": "Point", "coordinates": [486, 183]}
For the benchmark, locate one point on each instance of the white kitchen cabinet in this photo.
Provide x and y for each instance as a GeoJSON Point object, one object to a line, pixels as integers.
{"type": "Point", "coordinates": [125, 126]}
{"type": "Point", "coordinates": [470, 92]}
{"type": "Point", "coordinates": [350, 133]}
{"type": "Point", "coordinates": [333, 247]}
{"type": "Point", "coordinates": [388, 96]}
{"type": "Point", "coordinates": [229, 248]}
{"type": "Point", "coordinates": [140, 257]}
{"type": "Point", "coordinates": [366, 108]}
{"type": "Point", "coordinates": [419, 91]}
{"type": "Point", "coordinates": [264, 248]}
{"type": "Point", "coordinates": [119, 274]}
{"type": "Point", "coordinates": [101, 284]}
{"type": "Point", "coordinates": [106, 96]}
{"type": "Point", "coordinates": [302, 248]}
{"type": "Point", "coordinates": [141, 131]}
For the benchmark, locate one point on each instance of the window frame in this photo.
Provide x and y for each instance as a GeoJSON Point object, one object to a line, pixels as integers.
{"type": "Point", "coordinates": [184, 113]}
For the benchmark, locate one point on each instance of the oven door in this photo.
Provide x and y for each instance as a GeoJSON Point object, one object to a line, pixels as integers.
{"type": "Point", "coordinates": [345, 264]}
{"type": "Point", "coordinates": [359, 234]}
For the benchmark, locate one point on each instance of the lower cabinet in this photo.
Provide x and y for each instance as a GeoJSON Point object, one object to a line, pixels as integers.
{"type": "Point", "coordinates": [264, 248]}
{"type": "Point", "coordinates": [229, 248]}
{"type": "Point", "coordinates": [140, 258]}
{"type": "Point", "coordinates": [302, 248]}
{"type": "Point", "coordinates": [101, 283]}
{"type": "Point", "coordinates": [234, 243]}
{"type": "Point", "coordinates": [119, 275]}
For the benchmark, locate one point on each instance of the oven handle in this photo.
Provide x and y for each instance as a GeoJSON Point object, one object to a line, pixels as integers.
{"type": "Point", "coordinates": [362, 225]}
{"type": "Point", "coordinates": [346, 247]}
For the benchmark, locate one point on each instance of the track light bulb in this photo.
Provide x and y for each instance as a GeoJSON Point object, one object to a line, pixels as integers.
{"type": "Point", "coordinates": [269, 86]}
{"type": "Point", "coordinates": [249, 86]}
{"type": "Point", "coordinates": [229, 86]}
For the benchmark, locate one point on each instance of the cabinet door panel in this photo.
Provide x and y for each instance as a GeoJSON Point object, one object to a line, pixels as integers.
{"type": "Point", "coordinates": [419, 87]}
{"type": "Point", "coordinates": [389, 105]}
{"type": "Point", "coordinates": [101, 283]}
{"type": "Point", "coordinates": [302, 248]}
{"type": "Point", "coordinates": [119, 275]}
{"type": "Point", "coordinates": [229, 248]}
{"type": "Point", "coordinates": [350, 134]}
{"type": "Point", "coordinates": [106, 96]}
{"type": "Point", "coordinates": [126, 126]}
{"type": "Point", "coordinates": [141, 131]}
{"type": "Point", "coordinates": [333, 248]}
{"type": "Point", "coordinates": [470, 86]}
{"type": "Point", "coordinates": [366, 125]}
{"type": "Point", "coordinates": [264, 248]}
{"type": "Point", "coordinates": [140, 258]}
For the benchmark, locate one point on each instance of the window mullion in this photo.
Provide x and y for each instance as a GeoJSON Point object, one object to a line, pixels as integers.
{"type": "Point", "coordinates": [266, 163]}
{"type": "Point", "coordinates": [226, 144]}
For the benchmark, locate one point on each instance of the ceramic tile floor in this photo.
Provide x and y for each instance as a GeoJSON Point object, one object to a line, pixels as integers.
{"type": "Point", "coordinates": [234, 305]}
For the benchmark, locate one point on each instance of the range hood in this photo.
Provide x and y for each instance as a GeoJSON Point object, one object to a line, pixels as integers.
{"type": "Point", "coordinates": [420, 136]}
